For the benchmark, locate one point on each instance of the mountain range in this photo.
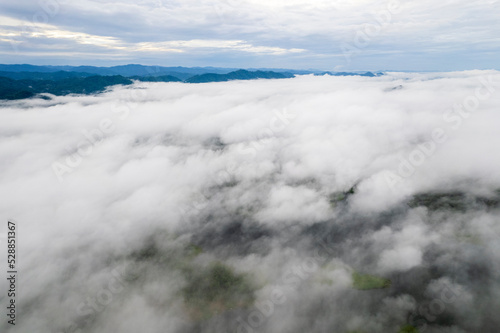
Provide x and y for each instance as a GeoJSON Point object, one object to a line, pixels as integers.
{"type": "Point", "coordinates": [25, 81]}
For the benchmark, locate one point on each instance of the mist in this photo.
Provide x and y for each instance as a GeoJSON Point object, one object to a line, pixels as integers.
{"type": "Point", "coordinates": [129, 202]}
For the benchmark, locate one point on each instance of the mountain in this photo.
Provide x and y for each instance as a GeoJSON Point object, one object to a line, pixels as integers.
{"type": "Point", "coordinates": [286, 70]}
{"type": "Point", "coordinates": [63, 83]}
{"type": "Point", "coordinates": [237, 75]}
{"type": "Point", "coordinates": [60, 75]}
{"type": "Point", "coordinates": [27, 68]}
{"type": "Point", "coordinates": [86, 69]}
{"type": "Point", "coordinates": [125, 70]}
{"type": "Point", "coordinates": [368, 74]}
{"type": "Point", "coordinates": [24, 88]}
{"type": "Point", "coordinates": [12, 89]}
{"type": "Point", "coordinates": [163, 78]}
{"type": "Point", "coordinates": [88, 85]}
{"type": "Point", "coordinates": [18, 89]}
{"type": "Point", "coordinates": [24, 81]}
{"type": "Point", "coordinates": [140, 70]}
{"type": "Point", "coordinates": [130, 70]}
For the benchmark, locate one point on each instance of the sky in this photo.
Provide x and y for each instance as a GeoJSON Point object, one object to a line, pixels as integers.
{"type": "Point", "coordinates": [250, 172]}
{"type": "Point", "coordinates": [403, 35]}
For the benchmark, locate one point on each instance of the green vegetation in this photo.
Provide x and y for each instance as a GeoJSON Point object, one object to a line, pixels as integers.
{"type": "Point", "coordinates": [237, 75]}
{"type": "Point", "coordinates": [194, 251]}
{"type": "Point", "coordinates": [369, 74]}
{"type": "Point", "coordinates": [148, 252]}
{"type": "Point", "coordinates": [59, 75]}
{"type": "Point", "coordinates": [469, 238]}
{"type": "Point", "coordinates": [208, 291]}
{"type": "Point", "coordinates": [338, 197]}
{"type": "Point", "coordinates": [453, 201]}
{"type": "Point", "coordinates": [18, 89]}
{"type": "Point", "coordinates": [24, 81]}
{"type": "Point", "coordinates": [408, 329]}
{"type": "Point", "coordinates": [214, 290]}
{"type": "Point", "coordinates": [12, 89]}
{"type": "Point", "coordinates": [28, 84]}
{"type": "Point", "coordinates": [367, 282]}
{"type": "Point", "coordinates": [162, 78]}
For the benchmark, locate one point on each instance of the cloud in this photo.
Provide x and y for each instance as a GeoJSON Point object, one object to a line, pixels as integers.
{"type": "Point", "coordinates": [388, 34]}
{"type": "Point", "coordinates": [121, 197]}
{"type": "Point", "coordinates": [64, 40]}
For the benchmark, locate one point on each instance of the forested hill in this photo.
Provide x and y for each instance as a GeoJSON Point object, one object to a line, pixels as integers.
{"type": "Point", "coordinates": [18, 89]}
{"type": "Point", "coordinates": [25, 81]}
{"type": "Point", "coordinates": [238, 75]}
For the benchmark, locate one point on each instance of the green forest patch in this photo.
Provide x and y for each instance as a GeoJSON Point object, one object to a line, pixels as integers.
{"type": "Point", "coordinates": [368, 282]}
{"type": "Point", "coordinates": [216, 289]}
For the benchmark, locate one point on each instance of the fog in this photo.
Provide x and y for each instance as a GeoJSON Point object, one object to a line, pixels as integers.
{"type": "Point", "coordinates": [296, 186]}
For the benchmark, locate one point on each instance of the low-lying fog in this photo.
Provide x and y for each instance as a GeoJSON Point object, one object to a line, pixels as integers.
{"type": "Point", "coordinates": [313, 204]}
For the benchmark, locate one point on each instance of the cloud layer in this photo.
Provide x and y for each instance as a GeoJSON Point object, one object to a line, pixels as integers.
{"type": "Point", "coordinates": [295, 183]}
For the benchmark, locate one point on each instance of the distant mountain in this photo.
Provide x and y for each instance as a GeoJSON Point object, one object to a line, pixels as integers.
{"type": "Point", "coordinates": [286, 70]}
{"type": "Point", "coordinates": [369, 74]}
{"type": "Point", "coordinates": [43, 75]}
{"type": "Point", "coordinates": [24, 81]}
{"type": "Point", "coordinates": [25, 88]}
{"type": "Point", "coordinates": [125, 70]}
{"type": "Point", "coordinates": [26, 68]}
{"type": "Point", "coordinates": [237, 75]}
{"type": "Point", "coordinates": [163, 78]}
{"type": "Point", "coordinates": [86, 69]}
{"type": "Point", "coordinates": [88, 85]}
{"type": "Point", "coordinates": [182, 76]}
{"type": "Point", "coordinates": [182, 73]}
{"type": "Point", "coordinates": [316, 72]}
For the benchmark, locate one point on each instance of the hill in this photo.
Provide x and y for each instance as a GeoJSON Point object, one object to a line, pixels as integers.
{"type": "Point", "coordinates": [18, 89]}
{"type": "Point", "coordinates": [238, 75]}
{"type": "Point", "coordinates": [59, 75]}
{"type": "Point", "coordinates": [24, 81]}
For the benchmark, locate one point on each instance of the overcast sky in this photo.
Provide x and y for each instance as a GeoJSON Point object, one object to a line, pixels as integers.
{"type": "Point", "coordinates": [323, 34]}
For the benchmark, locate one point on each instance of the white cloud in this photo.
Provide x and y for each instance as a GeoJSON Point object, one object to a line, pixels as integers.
{"type": "Point", "coordinates": [246, 169]}
{"type": "Point", "coordinates": [400, 30]}
{"type": "Point", "coordinates": [29, 35]}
